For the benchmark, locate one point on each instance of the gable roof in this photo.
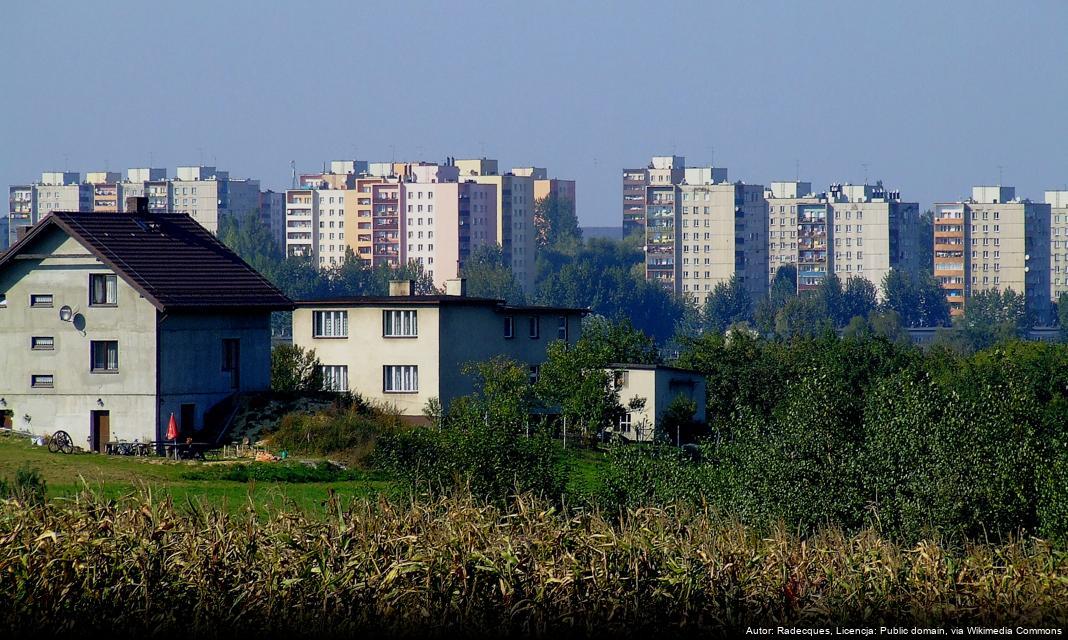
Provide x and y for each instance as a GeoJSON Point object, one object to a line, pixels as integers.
{"type": "Point", "coordinates": [170, 259]}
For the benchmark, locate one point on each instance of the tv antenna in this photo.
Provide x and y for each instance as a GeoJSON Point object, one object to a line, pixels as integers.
{"type": "Point", "coordinates": [865, 165]}
{"type": "Point", "coordinates": [293, 170]}
{"type": "Point", "coordinates": [1000, 168]}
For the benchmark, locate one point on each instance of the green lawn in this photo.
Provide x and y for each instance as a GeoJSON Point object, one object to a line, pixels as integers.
{"type": "Point", "coordinates": [115, 476]}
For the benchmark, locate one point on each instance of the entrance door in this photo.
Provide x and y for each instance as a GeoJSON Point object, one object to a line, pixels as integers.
{"type": "Point", "coordinates": [100, 432]}
{"type": "Point", "coordinates": [189, 419]}
{"type": "Point", "coordinates": [232, 361]}
{"type": "Point", "coordinates": [7, 419]}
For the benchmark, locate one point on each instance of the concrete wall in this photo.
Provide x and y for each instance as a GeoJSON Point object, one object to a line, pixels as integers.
{"type": "Point", "coordinates": [191, 359]}
{"type": "Point", "coordinates": [129, 394]}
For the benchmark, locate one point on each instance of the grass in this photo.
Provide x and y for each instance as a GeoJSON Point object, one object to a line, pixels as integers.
{"type": "Point", "coordinates": [117, 476]}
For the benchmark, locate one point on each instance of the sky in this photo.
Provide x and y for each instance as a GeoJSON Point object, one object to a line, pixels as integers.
{"type": "Point", "coordinates": [930, 97]}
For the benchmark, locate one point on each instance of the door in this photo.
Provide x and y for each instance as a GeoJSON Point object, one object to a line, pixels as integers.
{"type": "Point", "coordinates": [189, 418]}
{"type": "Point", "coordinates": [232, 361]}
{"type": "Point", "coordinates": [100, 432]}
{"type": "Point", "coordinates": [7, 419]}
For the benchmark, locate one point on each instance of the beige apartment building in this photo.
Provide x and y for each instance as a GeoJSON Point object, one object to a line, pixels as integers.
{"type": "Point", "coordinates": [1058, 246]}
{"type": "Point", "coordinates": [207, 194]}
{"type": "Point", "coordinates": [516, 232]}
{"type": "Point", "coordinates": [994, 240]}
{"type": "Point", "coordinates": [107, 190]}
{"type": "Point", "coordinates": [658, 386]}
{"type": "Point", "coordinates": [404, 350]}
{"type": "Point", "coordinates": [114, 321]}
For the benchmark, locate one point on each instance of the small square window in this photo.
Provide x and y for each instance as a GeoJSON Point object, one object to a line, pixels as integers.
{"type": "Point", "coordinates": [102, 289]}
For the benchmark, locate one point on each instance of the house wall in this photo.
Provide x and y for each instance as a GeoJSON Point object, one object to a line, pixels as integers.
{"type": "Point", "coordinates": [128, 394]}
{"type": "Point", "coordinates": [658, 387]}
{"type": "Point", "coordinates": [191, 361]}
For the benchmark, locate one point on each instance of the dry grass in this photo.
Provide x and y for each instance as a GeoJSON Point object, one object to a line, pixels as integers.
{"type": "Point", "coordinates": [455, 565]}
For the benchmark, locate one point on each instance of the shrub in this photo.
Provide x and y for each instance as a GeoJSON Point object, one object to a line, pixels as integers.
{"type": "Point", "coordinates": [352, 430]}
{"type": "Point", "coordinates": [27, 486]}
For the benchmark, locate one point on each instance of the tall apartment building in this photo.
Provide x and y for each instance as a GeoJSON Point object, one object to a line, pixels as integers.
{"type": "Point", "coordinates": [661, 171]}
{"type": "Point", "coordinates": [273, 215]}
{"type": "Point", "coordinates": [851, 231]}
{"type": "Point", "coordinates": [315, 225]}
{"type": "Point", "coordinates": [22, 211]}
{"type": "Point", "coordinates": [151, 183]}
{"type": "Point", "coordinates": [994, 240]}
{"type": "Point", "coordinates": [107, 190]}
{"type": "Point", "coordinates": [207, 194]}
{"type": "Point", "coordinates": [516, 232]}
{"type": "Point", "coordinates": [56, 191]}
{"type": "Point", "coordinates": [1058, 202]}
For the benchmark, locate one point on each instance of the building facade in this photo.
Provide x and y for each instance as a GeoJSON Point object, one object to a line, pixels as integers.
{"type": "Point", "coordinates": [1058, 245]}
{"type": "Point", "coordinates": [994, 240]}
{"type": "Point", "coordinates": [115, 321]}
{"type": "Point", "coordinates": [658, 386]}
{"type": "Point", "coordinates": [405, 350]}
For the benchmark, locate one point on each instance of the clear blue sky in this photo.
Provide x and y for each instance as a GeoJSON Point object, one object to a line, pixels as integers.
{"type": "Point", "coordinates": [933, 96]}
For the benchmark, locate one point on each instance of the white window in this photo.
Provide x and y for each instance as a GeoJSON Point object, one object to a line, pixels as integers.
{"type": "Point", "coordinates": [535, 327]}
{"type": "Point", "coordinates": [330, 324]}
{"type": "Point", "coordinates": [624, 423]}
{"type": "Point", "coordinates": [535, 373]}
{"type": "Point", "coordinates": [335, 377]}
{"type": "Point", "coordinates": [42, 343]}
{"type": "Point", "coordinates": [104, 356]}
{"type": "Point", "coordinates": [400, 324]}
{"type": "Point", "coordinates": [561, 328]}
{"type": "Point", "coordinates": [400, 378]}
{"type": "Point", "coordinates": [509, 327]}
{"type": "Point", "coordinates": [42, 381]}
{"type": "Point", "coordinates": [41, 300]}
{"type": "Point", "coordinates": [102, 289]}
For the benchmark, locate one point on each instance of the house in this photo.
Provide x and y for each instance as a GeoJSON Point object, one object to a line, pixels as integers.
{"type": "Point", "coordinates": [111, 322]}
{"type": "Point", "coordinates": [658, 386]}
{"type": "Point", "coordinates": [406, 349]}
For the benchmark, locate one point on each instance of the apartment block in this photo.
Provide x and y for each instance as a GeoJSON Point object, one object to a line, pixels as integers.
{"type": "Point", "coordinates": [723, 233]}
{"type": "Point", "coordinates": [208, 194]}
{"type": "Point", "coordinates": [273, 215]}
{"type": "Point", "coordinates": [1058, 246]}
{"type": "Point", "coordinates": [783, 199]}
{"type": "Point", "coordinates": [315, 225]}
{"type": "Point", "coordinates": [107, 190]}
{"type": "Point", "coordinates": [634, 183]}
{"type": "Point", "coordinates": [516, 231]}
{"type": "Point", "coordinates": [994, 240]}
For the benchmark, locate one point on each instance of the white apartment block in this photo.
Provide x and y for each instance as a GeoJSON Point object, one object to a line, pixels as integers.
{"type": "Point", "coordinates": [207, 194]}
{"type": "Point", "coordinates": [1058, 259]}
{"type": "Point", "coordinates": [315, 225]}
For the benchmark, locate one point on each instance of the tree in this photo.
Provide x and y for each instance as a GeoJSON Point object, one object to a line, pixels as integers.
{"type": "Point", "coordinates": [577, 381]}
{"type": "Point", "coordinates": [489, 277]}
{"type": "Point", "coordinates": [295, 370]}
{"type": "Point", "coordinates": [803, 316]}
{"type": "Point", "coordinates": [555, 220]}
{"type": "Point", "coordinates": [993, 316]}
{"type": "Point", "coordinates": [918, 299]}
{"type": "Point", "coordinates": [783, 288]}
{"type": "Point", "coordinates": [619, 341]}
{"type": "Point", "coordinates": [678, 423]}
{"type": "Point", "coordinates": [1062, 315]}
{"type": "Point", "coordinates": [859, 298]}
{"type": "Point", "coordinates": [728, 304]}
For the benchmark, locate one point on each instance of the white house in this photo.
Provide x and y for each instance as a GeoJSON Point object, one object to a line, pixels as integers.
{"type": "Point", "coordinates": [658, 386]}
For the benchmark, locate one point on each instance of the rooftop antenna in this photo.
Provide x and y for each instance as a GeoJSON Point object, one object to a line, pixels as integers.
{"type": "Point", "coordinates": [865, 165]}
{"type": "Point", "coordinates": [200, 150]}
{"type": "Point", "coordinates": [712, 154]}
{"type": "Point", "coordinates": [999, 174]}
{"type": "Point", "coordinates": [797, 170]}
{"type": "Point", "coordinates": [151, 159]}
{"type": "Point", "coordinates": [293, 170]}
{"type": "Point", "coordinates": [392, 153]}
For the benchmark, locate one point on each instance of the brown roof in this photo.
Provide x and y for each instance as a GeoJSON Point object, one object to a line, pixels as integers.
{"type": "Point", "coordinates": [167, 257]}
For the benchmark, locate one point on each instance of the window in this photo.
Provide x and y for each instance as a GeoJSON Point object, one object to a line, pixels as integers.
{"type": "Point", "coordinates": [624, 423]}
{"type": "Point", "coordinates": [509, 327]}
{"type": "Point", "coordinates": [101, 289]}
{"type": "Point", "coordinates": [42, 381]}
{"type": "Point", "coordinates": [561, 328]}
{"type": "Point", "coordinates": [41, 300]}
{"type": "Point", "coordinates": [330, 324]}
{"type": "Point", "coordinates": [400, 378]}
{"type": "Point", "coordinates": [535, 373]}
{"type": "Point", "coordinates": [400, 324]}
{"type": "Point", "coordinates": [620, 379]}
{"type": "Point", "coordinates": [42, 343]}
{"type": "Point", "coordinates": [104, 356]}
{"type": "Point", "coordinates": [535, 327]}
{"type": "Point", "coordinates": [231, 350]}
{"type": "Point", "coordinates": [335, 377]}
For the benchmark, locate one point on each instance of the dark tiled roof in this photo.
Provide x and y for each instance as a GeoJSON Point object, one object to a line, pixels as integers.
{"type": "Point", "coordinates": [167, 257]}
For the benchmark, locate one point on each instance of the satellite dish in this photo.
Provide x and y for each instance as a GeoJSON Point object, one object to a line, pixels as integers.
{"type": "Point", "coordinates": [66, 313]}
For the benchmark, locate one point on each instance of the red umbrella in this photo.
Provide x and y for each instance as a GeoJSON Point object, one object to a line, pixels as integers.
{"type": "Point", "coordinates": [172, 428]}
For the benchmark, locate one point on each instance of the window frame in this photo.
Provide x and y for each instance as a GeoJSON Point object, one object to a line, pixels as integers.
{"type": "Point", "coordinates": [509, 327]}
{"type": "Point", "coordinates": [36, 384]}
{"type": "Point", "coordinates": [340, 374]}
{"type": "Point", "coordinates": [34, 346]}
{"type": "Point", "coordinates": [561, 328]}
{"type": "Point", "coordinates": [108, 278]}
{"type": "Point", "coordinates": [388, 377]}
{"type": "Point", "coordinates": [93, 346]}
{"type": "Point", "coordinates": [34, 304]}
{"type": "Point", "coordinates": [341, 314]}
{"type": "Point", "coordinates": [534, 327]}
{"type": "Point", "coordinates": [394, 318]}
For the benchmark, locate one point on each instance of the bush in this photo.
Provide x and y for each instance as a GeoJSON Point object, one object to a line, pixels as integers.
{"type": "Point", "coordinates": [290, 472]}
{"type": "Point", "coordinates": [27, 486]}
{"type": "Point", "coordinates": [350, 430]}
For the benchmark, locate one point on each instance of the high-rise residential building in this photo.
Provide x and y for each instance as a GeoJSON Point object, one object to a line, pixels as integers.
{"type": "Point", "coordinates": [851, 231]}
{"type": "Point", "coordinates": [56, 191]}
{"type": "Point", "coordinates": [994, 240]}
{"type": "Point", "coordinates": [22, 211]}
{"type": "Point", "coordinates": [516, 232]}
{"type": "Point", "coordinates": [151, 183]}
{"type": "Point", "coordinates": [561, 191]}
{"type": "Point", "coordinates": [273, 215]}
{"type": "Point", "coordinates": [723, 233]}
{"type": "Point", "coordinates": [661, 171]}
{"type": "Point", "coordinates": [1058, 259]}
{"type": "Point", "coordinates": [315, 225]}
{"type": "Point", "coordinates": [107, 190]}
{"type": "Point", "coordinates": [207, 194]}
{"type": "Point", "coordinates": [634, 183]}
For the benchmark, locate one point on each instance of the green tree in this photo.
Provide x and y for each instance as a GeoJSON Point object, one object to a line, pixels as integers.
{"type": "Point", "coordinates": [728, 304]}
{"type": "Point", "coordinates": [783, 288]}
{"type": "Point", "coordinates": [1062, 315]}
{"type": "Point", "coordinates": [993, 316]}
{"type": "Point", "coordinates": [555, 221]}
{"type": "Point", "coordinates": [803, 316]}
{"type": "Point", "coordinates": [295, 370]}
{"type": "Point", "coordinates": [918, 299]}
{"type": "Point", "coordinates": [618, 341]}
{"type": "Point", "coordinates": [576, 380]}
{"type": "Point", "coordinates": [859, 298]}
{"type": "Point", "coordinates": [489, 277]}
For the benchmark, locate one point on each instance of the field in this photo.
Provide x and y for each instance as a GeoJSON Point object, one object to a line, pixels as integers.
{"type": "Point", "coordinates": [115, 476]}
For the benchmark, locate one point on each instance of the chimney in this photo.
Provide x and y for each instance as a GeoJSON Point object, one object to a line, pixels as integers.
{"type": "Point", "coordinates": [137, 204]}
{"type": "Point", "coordinates": [401, 288]}
{"type": "Point", "coordinates": [456, 287]}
